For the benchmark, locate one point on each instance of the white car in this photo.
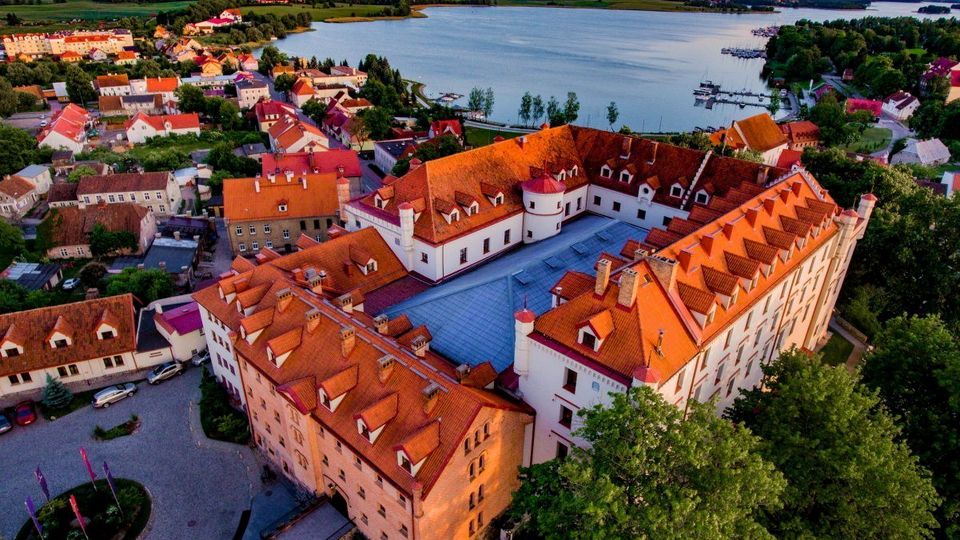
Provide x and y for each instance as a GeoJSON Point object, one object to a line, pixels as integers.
{"type": "Point", "coordinates": [112, 394]}
{"type": "Point", "coordinates": [43, 123]}
{"type": "Point", "coordinates": [164, 372]}
{"type": "Point", "coordinates": [70, 284]}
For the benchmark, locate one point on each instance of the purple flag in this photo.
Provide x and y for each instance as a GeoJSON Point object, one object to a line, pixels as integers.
{"type": "Point", "coordinates": [76, 512]}
{"type": "Point", "coordinates": [42, 480]}
{"type": "Point", "coordinates": [31, 509]}
{"type": "Point", "coordinates": [86, 462]}
{"type": "Point", "coordinates": [113, 488]}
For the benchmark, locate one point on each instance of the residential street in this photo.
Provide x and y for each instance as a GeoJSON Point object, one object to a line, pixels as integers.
{"type": "Point", "coordinates": [199, 486]}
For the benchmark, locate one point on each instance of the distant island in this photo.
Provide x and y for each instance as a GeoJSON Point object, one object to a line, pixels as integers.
{"type": "Point", "coordinates": [934, 10]}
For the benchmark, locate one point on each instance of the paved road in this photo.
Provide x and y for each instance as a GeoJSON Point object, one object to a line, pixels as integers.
{"type": "Point", "coordinates": [369, 180]}
{"type": "Point", "coordinates": [899, 132]}
{"type": "Point", "coordinates": [199, 487]}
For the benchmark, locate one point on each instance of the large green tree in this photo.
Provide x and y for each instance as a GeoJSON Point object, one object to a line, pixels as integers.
{"type": "Point", "coordinates": [146, 285]}
{"type": "Point", "coordinates": [18, 150]}
{"type": "Point", "coordinates": [79, 85]}
{"type": "Point", "coordinates": [106, 242]}
{"type": "Point", "coordinates": [652, 472]}
{"type": "Point", "coordinates": [848, 475]}
{"type": "Point", "coordinates": [916, 368]}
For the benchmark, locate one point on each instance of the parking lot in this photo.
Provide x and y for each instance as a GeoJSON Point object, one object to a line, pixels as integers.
{"type": "Point", "coordinates": [199, 486]}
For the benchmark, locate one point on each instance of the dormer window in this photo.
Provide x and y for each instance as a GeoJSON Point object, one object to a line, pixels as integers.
{"type": "Point", "coordinates": [59, 343]}
{"type": "Point", "coordinates": [325, 400]}
{"type": "Point", "coordinates": [498, 200]}
{"type": "Point", "coordinates": [371, 267]}
{"type": "Point", "coordinates": [711, 314]}
{"type": "Point", "coordinates": [404, 462]}
{"type": "Point", "coordinates": [575, 170]}
{"type": "Point", "coordinates": [364, 431]}
{"type": "Point", "coordinates": [378, 201]}
{"type": "Point", "coordinates": [754, 281]}
{"type": "Point", "coordinates": [473, 209]}
{"type": "Point", "coordinates": [562, 176]}
{"type": "Point", "coordinates": [107, 334]}
{"type": "Point", "coordinates": [625, 177]}
{"type": "Point", "coordinates": [676, 190]}
{"type": "Point", "coordinates": [11, 352]}
{"type": "Point", "coordinates": [702, 197]}
{"type": "Point", "coordinates": [589, 340]}
{"type": "Point", "coordinates": [606, 172]}
{"type": "Point", "coordinates": [453, 216]}
{"type": "Point", "coordinates": [282, 207]}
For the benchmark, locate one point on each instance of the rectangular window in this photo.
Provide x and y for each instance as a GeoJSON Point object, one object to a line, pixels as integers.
{"type": "Point", "coordinates": [666, 221]}
{"type": "Point", "coordinates": [463, 255]}
{"type": "Point", "coordinates": [159, 196]}
{"type": "Point", "coordinates": [73, 369]}
{"type": "Point", "coordinates": [13, 379]}
{"type": "Point", "coordinates": [62, 371]}
{"type": "Point", "coordinates": [381, 510]}
{"type": "Point", "coordinates": [616, 206]}
{"type": "Point", "coordinates": [424, 258]}
{"type": "Point", "coordinates": [253, 230]}
{"type": "Point", "coordinates": [562, 450]}
{"type": "Point", "coordinates": [255, 246]}
{"type": "Point", "coordinates": [728, 339]}
{"type": "Point", "coordinates": [303, 225]}
{"type": "Point", "coordinates": [108, 363]}
{"type": "Point", "coordinates": [641, 213]}
{"type": "Point", "coordinates": [25, 377]}
{"type": "Point", "coordinates": [316, 224]}
{"type": "Point", "coordinates": [266, 229]}
{"type": "Point", "coordinates": [286, 234]}
{"type": "Point", "coordinates": [566, 416]}
{"type": "Point", "coordinates": [680, 380]}
{"type": "Point", "coordinates": [111, 198]}
{"type": "Point", "coordinates": [730, 386]}
{"type": "Point", "coordinates": [579, 203]}
{"type": "Point", "coordinates": [570, 381]}
{"type": "Point", "coordinates": [506, 237]}
{"type": "Point", "coordinates": [486, 245]}
{"type": "Point", "coordinates": [239, 230]}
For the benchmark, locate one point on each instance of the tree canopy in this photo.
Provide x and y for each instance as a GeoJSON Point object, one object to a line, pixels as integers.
{"type": "Point", "coordinates": [146, 285]}
{"type": "Point", "coordinates": [848, 475]}
{"type": "Point", "coordinates": [651, 472]}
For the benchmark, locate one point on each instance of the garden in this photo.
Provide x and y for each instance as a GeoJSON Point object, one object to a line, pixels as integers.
{"type": "Point", "coordinates": [123, 518]}
{"type": "Point", "coordinates": [218, 418]}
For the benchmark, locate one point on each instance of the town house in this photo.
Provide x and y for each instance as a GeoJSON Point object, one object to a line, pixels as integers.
{"type": "Point", "coordinates": [155, 191]}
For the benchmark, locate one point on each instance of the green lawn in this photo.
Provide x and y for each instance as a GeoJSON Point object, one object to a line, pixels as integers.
{"type": "Point", "coordinates": [88, 10]}
{"type": "Point", "coordinates": [342, 12]}
{"type": "Point", "coordinates": [837, 350]}
{"type": "Point", "coordinates": [872, 140]}
{"type": "Point", "coordinates": [642, 5]}
{"type": "Point", "coordinates": [482, 137]}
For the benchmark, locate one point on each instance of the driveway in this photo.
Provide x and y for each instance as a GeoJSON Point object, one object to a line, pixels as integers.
{"type": "Point", "coordinates": [199, 486]}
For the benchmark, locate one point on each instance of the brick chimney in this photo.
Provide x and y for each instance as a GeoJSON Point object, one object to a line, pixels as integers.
{"type": "Point", "coordinates": [664, 269]}
{"type": "Point", "coordinates": [420, 345]}
{"type": "Point", "coordinates": [385, 367]}
{"type": "Point", "coordinates": [313, 320]}
{"type": "Point", "coordinates": [284, 297]}
{"type": "Point", "coordinates": [629, 281]}
{"type": "Point", "coordinates": [348, 338]}
{"type": "Point", "coordinates": [345, 302]}
{"type": "Point", "coordinates": [463, 371]}
{"type": "Point", "coordinates": [431, 396]}
{"type": "Point", "coordinates": [603, 277]}
{"type": "Point", "coordinates": [381, 323]}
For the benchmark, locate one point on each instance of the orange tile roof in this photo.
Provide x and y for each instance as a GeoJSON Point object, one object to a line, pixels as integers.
{"type": "Point", "coordinates": [16, 186]}
{"type": "Point", "coordinates": [73, 225]}
{"type": "Point", "coordinates": [159, 122]}
{"type": "Point", "coordinates": [162, 84]}
{"type": "Point", "coordinates": [243, 201]}
{"type": "Point", "coordinates": [107, 81]}
{"type": "Point", "coordinates": [409, 425]}
{"type": "Point", "coordinates": [79, 321]}
{"type": "Point", "coordinates": [760, 132]}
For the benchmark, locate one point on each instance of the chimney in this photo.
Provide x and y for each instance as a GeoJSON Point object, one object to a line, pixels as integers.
{"type": "Point", "coordinates": [762, 173]}
{"type": "Point", "coordinates": [625, 147]}
{"type": "Point", "coordinates": [431, 395]}
{"type": "Point", "coordinates": [629, 282]}
{"type": "Point", "coordinates": [157, 235]}
{"type": "Point", "coordinates": [176, 235]}
{"type": "Point", "coordinates": [665, 270]}
{"type": "Point", "coordinates": [603, 277]}
{"type": "Point", "coordinates": [303, 181]}
{"type": "Point", "coordinates": [522, 140]}
{"type": "Point", "coordinates": [141, 266]}
{"type": "Point", "coordinates": [313, 320]}
{"type": "Point", "coordinates": [659, 346]}
{"type": "Point", "coordinates": [284, 297]}
{"type": "Point", "coordinates": [162, 265]}
{"type": "Point", "coordinates": [272, 178]}
{"type": "Point", "coordinates": [316, 284]}
{"type": "Point", "coordinates": [348, 338]}
{"type": "Point", "coordinates": [385, 367]}
{"type": "Point", "coordinates": [297, 275]}
{"type": "Point", "coordinates": [463, 371]}
{"type": "Point", "coordinates": [639, 254]}
{"type": "Point", "coordinates": [420, 345]}
{"type": "Point", "coordinates": [256, 184]}
{"type": "Point", "coordinates": [340, 170]}
{"type": "Point", "coordinates": [289, 174]}
{"type": "Point", "coordinates": [381, 323]}
{"type": "Point", "coordinates": [345, 302]}
{"type": "Point", "coordinates": [653, 152]}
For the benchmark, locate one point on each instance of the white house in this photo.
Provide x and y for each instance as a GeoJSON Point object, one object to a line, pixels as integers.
{"type": "Point", "coordinates": [39, 175]}
{"type": "Point", "coordinates": [928, 152]}
{"type": "Point", "coordinates": [900, 106]}
{"type": "Point", "coordinates": [142, 126]}
{"type": "Point", "coordinates": [177, 319]}
{"type": "Point", "coordinates": [67, 129]}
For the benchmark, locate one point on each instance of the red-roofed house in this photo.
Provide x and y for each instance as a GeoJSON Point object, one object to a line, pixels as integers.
{"type": "Point", "coordinates": [951, 180]}
{"type": "Point", "coordinates": [142, 127]}
{"type": "Point", "coordinates": [17, 197]}
{"type": "Point", "coordinates": [67, 129]}
{"type": "Point", "coordinates": [954, 92]}
{"type": "Point", "coordinates": [872, 106]}
{"type": "Point", "coordinates": [181, 326]}
{"type": "Point", "coordinates": [295, 135]}
{"type": "Point", "coordinates": [758, 133]}
{"type": "Point", "coordinates": [801, 134]}
{"type": "Point", "coordinates": [269, 112]}
{"type": "Point", "coordinates": [445, 127]}
{"type": "Point", "coordinates": [900, 105]}
{"type": "Point", "coordinates": [342, 162]}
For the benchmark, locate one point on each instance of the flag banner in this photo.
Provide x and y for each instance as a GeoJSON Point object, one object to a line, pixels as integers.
{"type": "Point", "coordinates": [86, 462]}
{"type": "Point", "coordinates": [76, 512]}
{"type": "Point", "coordinates": [32, 510]}
{"type": "Point", "coordinates": [42, 480]}
{"type": "Point", "coordinates": [113, 487]}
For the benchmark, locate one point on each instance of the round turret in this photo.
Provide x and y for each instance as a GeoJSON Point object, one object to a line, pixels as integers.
{"type": "Point", "coordinates": [543, 207]}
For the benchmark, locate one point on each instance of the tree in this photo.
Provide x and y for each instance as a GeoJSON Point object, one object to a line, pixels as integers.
{"type": "Point", "coordinates": [475, 100]}
{"type": "Point", "coordinates": [190, 99]}
{"type": "Point", "coordinates": [79, 85]}
{"type": "Point", "coordinates": [651, 472]}
{"type": "Point", "coordinates": [374, 122]}
{"type": "Point", "coordinates": [11, 240]}
{"type": "Point", "coordinates": [105, 242]}
{"type": "Point", "coordinates": [284, 82]}
{"type": "Point", "coordinates": [228, 116]}
{"type": "Point", "coordinates": [915, 367]}
{"type": "Point", "coordinates": [271, 56]}
{"type": "Point", "coordinates": [78, 173]}
{"type": "Point", "coordinates": [847, 475]}
{"type": "Point", "coordinates": [526, 104]}
{"type": "Point", "coordinates": [613, 114]}
{"type": "Point", "coordinates": [830, 117]}
{"type": "Point", "coordinates": [555, 116]}
{"type": "Point", "coordinates": [12, 296]}
{"type": "Point", "coordinates": [146, 285]}
{"type": "Point", "coordinates": [571, 108]}
{"type": "Point", "coordinates": [774, 105]}
{"type": "Point", "coordinates": [18, 150]}
{"type": "Point", "coordinates": [55, 394]}
{"type": "Point", "coordinates": [91, 274]}
{"type": "Point", "coordinates": [488, 102]}
{"type": "Point", "coordinates": [537, 110]}
{"type": "Point", "coordinates": [9, 99]}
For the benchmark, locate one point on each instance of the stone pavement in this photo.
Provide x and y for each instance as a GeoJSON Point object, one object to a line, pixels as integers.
{"type": "Point", "coordinates": [199, 486]}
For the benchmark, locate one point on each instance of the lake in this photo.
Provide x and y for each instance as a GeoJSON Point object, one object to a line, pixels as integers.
{"type": "Point", "coordinates": [647, 62]}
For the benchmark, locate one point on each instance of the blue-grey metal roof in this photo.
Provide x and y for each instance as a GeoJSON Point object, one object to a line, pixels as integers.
{"type": "Point", "coordinates": [32, 276]}
{"type": "Point", "coordinates": [32, 171]}
{"type": "Point", "coordinates": [471, 316]}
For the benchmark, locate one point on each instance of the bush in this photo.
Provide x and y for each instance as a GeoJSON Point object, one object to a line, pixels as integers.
{"type": "Point", "coordinates": [219, 420]}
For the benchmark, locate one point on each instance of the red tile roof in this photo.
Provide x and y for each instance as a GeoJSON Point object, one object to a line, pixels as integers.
{"type": "Point", "coordinates": [872, 106]}
{"type": "Point", "coordinates": [309, 195]}
{"type": "Point", "coordinates": [124, 182]}
{"type": "Point", "coordinates": [16, 186]}
{"type": "Point", "coordinates": [329, 161]}
{"type": "Point", "coordinates": [73, 225]}
{"type": "Point", "coordinates": [162, 122]}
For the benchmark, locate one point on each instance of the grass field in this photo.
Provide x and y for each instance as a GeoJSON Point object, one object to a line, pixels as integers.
{"type": "Point", "coordinates": [341, 13]}
{"type": "Point", "coordinates": [641, 5]}
{"type": "Point", "coordinates": [482, 137]}
{"type": "Point", "coordinates": [872, 140]}
{"type": "Point", "coordinates": [87, 10]}
{"type": "Point", "coordinates": [836, 351]}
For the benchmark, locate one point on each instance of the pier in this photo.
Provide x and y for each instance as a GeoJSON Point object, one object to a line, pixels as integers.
{"type": "Point", "coordinates": [710, 93]}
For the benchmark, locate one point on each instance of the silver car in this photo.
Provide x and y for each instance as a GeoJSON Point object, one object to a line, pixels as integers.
{"type": "Point", "coordinates": [112, 394]}
{"type": "Point", "coordinates": [201, 358]}
{"type": "Point", "coordinates": [164, 372]}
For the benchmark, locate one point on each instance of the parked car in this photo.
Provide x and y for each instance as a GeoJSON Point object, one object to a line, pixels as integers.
{"type": "Point", "coordinates": [164, 372]}
{"type": "Point", "coordinates": [70, 284]}
{"type": "Point", "coordinates": [24, 413]}
{"type": "Point", "coordinates": [43, 123]}
{"type": "Point", "coordinates": [201, 358]}
{"type": "Point", "coordinates": [112, 394]}
{"type": "Point", "coordinates": [5, 424]}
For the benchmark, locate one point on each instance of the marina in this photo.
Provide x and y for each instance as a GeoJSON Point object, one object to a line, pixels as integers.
{"type": "Point", "coordinates": [709, 93]}
{"type": "Point", "coordinates": [738, 52]}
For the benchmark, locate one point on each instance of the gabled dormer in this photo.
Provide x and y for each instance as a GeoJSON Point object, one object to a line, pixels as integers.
{"type": "Point", "coordinates": [467, 202]}
{"type": "Point", "coordinates": [592, 332]}
{"type": "Point", "coordinates": [61, 335]}
{"type": "Point", "coordinates": [373, 419]}
{"type": "Point", "coordinates": [492, 193]}
{"type": "Point", "coordinates": [108, 327]}
{"type": "Point", "coordinates": [676, 190]}
{"type": "Point", "coordinates": [702, 304]}
{"type": "Point", "coordinates": [382, 197]}
{"type": "Point", "coordinates": [575, 170]}
{"type": "Point", "coordinates": [748, 270]}
{"type": "Point", "coordinates": [251, 327]}
{"type": "Point", "coordinates": [362, 258]}
{"type": "Point", "coordinates": [701, 197]}
{"type": "Point", "coordinates": [625, 177]}
{"type": "Point", "coordinates": [413, 452]}
{"type": "Point", "coordinates": [13, 342]}
{"type": "Point", "coordinates": [447, 209]}
{"type": "Point", "coordinates": [281, 347]}
{"type": "Point", "coordinates": [606, 171]}
{"type": "Point", "coordinates": [331, 391]}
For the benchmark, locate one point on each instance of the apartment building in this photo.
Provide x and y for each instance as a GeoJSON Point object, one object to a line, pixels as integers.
{"type": "Point", "coordinates": [250, 91]}
{"type": "Point", "coordinates": [80, 42]}
{"type": "Point", "coordinates": [113, 84]}
{"type": "Point", "coordinates": [694, 315]}
{"type": "Point", "coordinates": [155, 191]}
{"type": "Point", "coordinates": [403, 441]}
{"type": "Point", "coordinates": [74, 342]}
{"type": "Point", "coordinates": [450, 214]}
{"type": "Point", "coordinates": [272, 211]}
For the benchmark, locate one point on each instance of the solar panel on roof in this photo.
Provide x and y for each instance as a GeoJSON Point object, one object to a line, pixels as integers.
{"type": "Point", "coordinates": [523, 277]}
{"type": "Point", "coordinates": [554, 262]}
{"type": "Point", "coordinates": [604, 235]}
{"type": "Point", "coordinates": [580, 248]}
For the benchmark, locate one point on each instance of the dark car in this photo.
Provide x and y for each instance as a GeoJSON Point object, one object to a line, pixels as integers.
{"type": "Point", "coordinates": [5, 424]}
{"type": "Point", "coordinates": [24, 413]}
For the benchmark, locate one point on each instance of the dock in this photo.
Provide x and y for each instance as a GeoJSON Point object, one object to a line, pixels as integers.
{"type": "Point", "coordinates": [709, 93]}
